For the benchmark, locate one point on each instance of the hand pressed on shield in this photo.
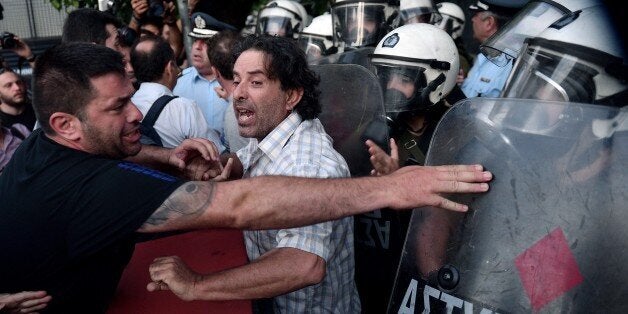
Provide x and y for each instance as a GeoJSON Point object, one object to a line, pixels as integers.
{"type": "Point", "coordinates": [417, 186]}
{"type": "Point", "coordinates": [382, 162]}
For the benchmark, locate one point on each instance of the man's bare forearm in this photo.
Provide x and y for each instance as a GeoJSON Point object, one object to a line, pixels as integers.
{"type": "Point", "coordinates": [278, 272]}
{"type": "Point", "coordinates": [274, 202]}
{"type": "Point", "coordinates": [152, 156]}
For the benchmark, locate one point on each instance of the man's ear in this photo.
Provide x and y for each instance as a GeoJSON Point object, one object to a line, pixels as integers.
{"type": "Point", "coordinates": [216, 72]}
{"type": "Point", "coordinates": [491, 22]}
{"type": "Point", "coordinates": [293, 96]}
{"type": "Point", "coordinates": [66, 125]}
{"type": "Point", "coordinates": [169, 69]}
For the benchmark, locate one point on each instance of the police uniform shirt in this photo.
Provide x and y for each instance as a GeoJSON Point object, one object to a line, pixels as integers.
{"type": "Point", "coordinates": [485, 79]}
{"type": "Point", "coordinates": [193, 86]}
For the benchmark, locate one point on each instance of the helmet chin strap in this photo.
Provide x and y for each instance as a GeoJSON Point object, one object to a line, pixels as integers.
{"type": "Point", "coordinates": [431, 86]}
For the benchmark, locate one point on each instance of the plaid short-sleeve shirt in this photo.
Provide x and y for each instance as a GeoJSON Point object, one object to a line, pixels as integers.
{"type": "Point", "coordinates": [303, 149]}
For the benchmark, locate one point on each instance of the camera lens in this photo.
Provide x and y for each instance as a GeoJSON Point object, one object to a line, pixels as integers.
{"type": "Point", "coordinates": [156, 8]}
{"type": "Point", "coordinates": [8, 41]}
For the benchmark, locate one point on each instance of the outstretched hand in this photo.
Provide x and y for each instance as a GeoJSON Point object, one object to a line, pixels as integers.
{"type": "Point", "coordinates": [418, 186]}
{"type": "Point", "coordinates": [170, 273]}
{"type": "Point", "coordinates": [24, 302]}
{"type": "Point", "coordinates": [383, 163]}
{"type": "Point", "coordinates": [197, 158]}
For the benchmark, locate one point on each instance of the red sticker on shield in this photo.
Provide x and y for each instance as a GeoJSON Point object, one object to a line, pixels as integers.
{"type": "Point", "coordinates": [548, 269]}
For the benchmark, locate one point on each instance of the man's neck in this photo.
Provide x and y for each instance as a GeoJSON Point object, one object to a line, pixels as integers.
{"type": "Point", "coordinates": [207, 74]}
{"type": "Point", "coordinates": [12, 109]}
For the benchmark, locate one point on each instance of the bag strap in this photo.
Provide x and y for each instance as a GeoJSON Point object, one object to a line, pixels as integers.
{"type": "Point", "coordinates": [15, 132]}
{"type": "Point", "coordinates": [409, 143]}
{"type": "Point", "coordinates": [156, 109]}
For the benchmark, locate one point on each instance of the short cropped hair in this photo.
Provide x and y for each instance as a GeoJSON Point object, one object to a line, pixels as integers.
{"type": "Point", "coordinates": [88, 25]}
{"type": "Point", "coordinates": [149, 65]}
{"type": "Point", "coordinates": [220, 52]}
{"type": "Point", "coordinates": [62, 78]}
{"type": "Point", "coordinates": [286, 62]}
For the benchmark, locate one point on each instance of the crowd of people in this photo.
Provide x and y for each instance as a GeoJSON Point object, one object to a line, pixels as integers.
{"type": "Point", "coordinates": [124, 136]}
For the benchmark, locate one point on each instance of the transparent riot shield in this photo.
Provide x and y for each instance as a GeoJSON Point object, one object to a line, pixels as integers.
{"type": "Point", "coordinates": [353, 111]}
{"type": "Point", "coordinates": [551, 235]}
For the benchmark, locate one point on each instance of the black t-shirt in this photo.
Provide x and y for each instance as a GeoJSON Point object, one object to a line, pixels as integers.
{"type": "Point", "coordinates": [26, 118]}
{"type": "Point", "coordinates": [68, 220]}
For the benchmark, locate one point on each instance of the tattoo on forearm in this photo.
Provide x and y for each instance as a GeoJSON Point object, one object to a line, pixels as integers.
{"type": "Point", "coordinates": [187, 202]}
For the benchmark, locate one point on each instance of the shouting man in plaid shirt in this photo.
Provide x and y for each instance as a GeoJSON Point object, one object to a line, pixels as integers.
{"type": "Point", "coordinates": [307, 269]}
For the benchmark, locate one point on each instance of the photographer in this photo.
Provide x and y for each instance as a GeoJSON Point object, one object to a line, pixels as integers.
{"type": "Point", "coordinates": [145, 12]}
{"type": "Point", "coordinates": [11, 42]}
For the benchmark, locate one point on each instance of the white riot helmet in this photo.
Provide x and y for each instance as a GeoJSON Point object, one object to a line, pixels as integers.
{"type": "Point", "coordinates": [417, 66]}
{"type": "Point", "coordinates": [363, 23]}
{"type": "Point", "coordinates": [317, 39]}
{"type": "Point", "coordinates": [250, 24]}
{"type": "Point", "coordinates": [583, 61]}
{"type": "Point", "coordinates": [418, 11]}
{"type": "Point", "coordinates": [452, 20]}
{"type": "Point", "coordinates": [533, 19]}
{"type": "Point", "coordinates": [285, 18]}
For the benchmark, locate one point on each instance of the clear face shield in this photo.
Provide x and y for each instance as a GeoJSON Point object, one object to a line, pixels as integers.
{"type": "Point", "coordinates": [452, 25]}
{"type": "Point", "coordinates": [401, 86]}
{"type": "Point", "coordinates": [545, 74]}
{"type": "Point", "coordinates": [535, 17]}
{"type": "Point", "coordinates": [420, 15]}
{"type": "Point", "coordinates": [313, 46]}
{"type": "Point", "coordinates": [276, 26]}
{"type": "Point", "coordinates": [359, 24]}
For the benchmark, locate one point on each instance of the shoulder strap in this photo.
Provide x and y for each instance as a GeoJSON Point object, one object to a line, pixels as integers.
{"type": "Point", "coordinates": [408, 142]}
{"type": "Point", "coordinates": [156, 109]}
{"type": "Point", "coordinates": [15, 132]}
{"type": "Point", "coordinates": [146, 126]}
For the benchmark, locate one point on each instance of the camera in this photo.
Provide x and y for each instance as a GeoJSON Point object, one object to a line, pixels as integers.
{"type": "Point", "coordinates": [127, 36]}
{"type": "Point", "coordinates": [156, 7]}
{"type": "Point", "coordinates": [8, 41]}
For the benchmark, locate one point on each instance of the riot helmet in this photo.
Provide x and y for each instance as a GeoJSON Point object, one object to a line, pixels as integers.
{"type": "Point", "coordinates": [452, 19]}
{"type": "Point", "coordinates": [317, 39]}
{"type": "Point", "coordinates": [418, 11]}
{"type": "Point", "coordinates": [250, 24]}
{"type": "Point", "coordinates": [565, 64]}
{"type": "Point", "coordinates": [417, 66]}
{"type": "Point", "coordinates": [362, 23]}
{"type": "Point", "coordinates": [533, 19]}
{"type": "Point", "coordinates": [284, 18]}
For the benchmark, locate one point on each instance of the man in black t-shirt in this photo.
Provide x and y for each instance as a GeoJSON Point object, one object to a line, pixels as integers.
{"type": "Point", "coordinates": [15, 107]}
{"type": "Point", "coordinates": [71, 207]}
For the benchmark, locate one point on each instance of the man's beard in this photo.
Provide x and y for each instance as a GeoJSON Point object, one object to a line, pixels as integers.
{"type": "Point", "coordinates": [104, 145]}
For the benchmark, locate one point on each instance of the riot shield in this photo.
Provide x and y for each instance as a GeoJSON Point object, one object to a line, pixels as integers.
{"type": "Point", "coordinates": [353, 111]}
{"type": "Point", "coordinates": [549, 237]}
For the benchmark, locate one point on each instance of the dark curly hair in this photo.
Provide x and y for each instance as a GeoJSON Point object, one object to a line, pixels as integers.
{"type": "Point", "coordinates": [286, 62]}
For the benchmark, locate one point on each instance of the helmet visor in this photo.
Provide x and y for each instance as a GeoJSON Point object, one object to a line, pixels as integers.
{"type": "Point", "coordinates": [506, 44]}
{"type": "Point", "coordinates": [400, 85]}
{"type": "Point", "coordinates": [545, 74]}
{"type": "Point", "coordinates": [420, 15]}
{"type": "Point", "coordinates": [314, 47]}
{"type": "Point", "coordinates": [358, 24]}
{"type": "Point", "coordinates": [275, 26]}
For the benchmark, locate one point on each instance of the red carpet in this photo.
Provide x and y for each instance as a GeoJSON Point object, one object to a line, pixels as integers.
{"type": "Point", "coordinates": [204, 251]}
